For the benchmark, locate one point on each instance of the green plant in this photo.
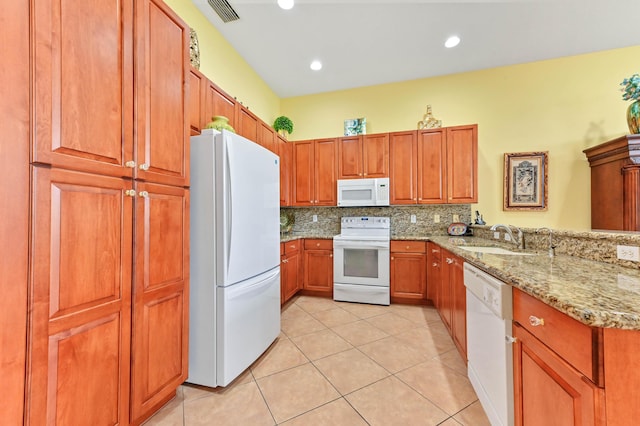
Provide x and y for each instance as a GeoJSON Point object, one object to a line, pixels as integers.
{"type": "Point", "coordinates": [283, 123]}
{"type": "Point", "coordinates": [631, 88]}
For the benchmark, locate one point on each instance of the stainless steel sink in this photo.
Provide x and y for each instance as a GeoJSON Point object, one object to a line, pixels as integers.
{"type": "Point", "coordinates": [494, 250]}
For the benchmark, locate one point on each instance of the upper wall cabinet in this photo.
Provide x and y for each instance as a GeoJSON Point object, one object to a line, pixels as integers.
{"type": "Point", "coordinates": [217, 102]}
{"type": "Point", "coordinates": [363, 156]}
{"type": "Point", "coordinates": [435, 166]}
{"type": "Point", "coordinates": [162, 68]}
{"type": "Point", "coordinates": [266, 137]}
{"type": "Point", "coordinates": [314, 173]}
{"type": "Point", "coordinates": [83, 90]}
{"type": "Point", "coordinates": [197, 100]}
{"type": "Point", "coordinates": [247, 123]}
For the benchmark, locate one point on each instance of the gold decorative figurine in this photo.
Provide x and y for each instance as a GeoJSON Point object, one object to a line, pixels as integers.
{"type": "Point", "coordinates": [429, 121]}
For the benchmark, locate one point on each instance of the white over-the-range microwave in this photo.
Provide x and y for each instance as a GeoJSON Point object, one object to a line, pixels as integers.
{"type": "Point", "coordinates": [363, 192]}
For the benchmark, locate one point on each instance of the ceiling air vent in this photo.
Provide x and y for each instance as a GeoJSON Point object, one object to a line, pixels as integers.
{"type": "Point", "coordinates": [224, 10]}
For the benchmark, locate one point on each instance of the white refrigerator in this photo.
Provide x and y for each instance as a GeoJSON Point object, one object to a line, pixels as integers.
{"type": "Point", "coordinates": [235, 255]}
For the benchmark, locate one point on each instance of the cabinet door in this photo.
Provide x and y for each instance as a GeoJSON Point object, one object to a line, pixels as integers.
{"type": "Point", "coordinates": [408, 276]}
{"type": "Point", "coordinates": [403, 167]}
{"type": "Point", "coordinates": [318, 271]}
{"type": "Point", "coordinates": [218, 102]}
{"type": "Point", "coordinates": [14, 193]}
{"type": "Point", "coordinates": [303, 173]}
{"type": "Point", "coordinates": [547, 390]}
{"type": "Point", "coordinates": [196, 101]}
{"type": "Point", "coordinates": [266, 136]}
{"type": "Point", "coordinates": [325, 172]}
{"type": "Point", "coordinates": [291, 278]}
{"type": "Point", "coordinates": [247, 123]}
{"type": "Point", "coordinates": [433, 272]}
{"type": "Point", "coordinates": [162, 73]}
{"type": "Point", "coordinates": [462, 164]}
{"type": "Point", "coordinates": [285, 153]}
{"type": "Point", "coordinates": [350, 157]}
{"type": "Point", "coordinates": [375, 155]}
{"type": "Point", "coordinates": [458, 306]}
{"type": "Point", "coordinates": [445, 296]}
{"type": "Point", "coordinates": [83, 91]}
{"type": "Point", "coordinates": [432, 160]}
{"type": "Point", "coordinates": [160, 306]}
{"type": "Point", "coordinates": [80, 302]}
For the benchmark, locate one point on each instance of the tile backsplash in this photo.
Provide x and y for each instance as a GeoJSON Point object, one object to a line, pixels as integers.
{"type": "Point", "coordinates": [329, 218]}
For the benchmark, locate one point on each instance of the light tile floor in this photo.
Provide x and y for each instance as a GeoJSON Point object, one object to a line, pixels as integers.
{"type": "Point", "coordinates": [339, 363]}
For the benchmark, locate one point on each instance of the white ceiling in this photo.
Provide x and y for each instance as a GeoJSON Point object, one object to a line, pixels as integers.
{"type": "Point", "coordinates": [362, 43]}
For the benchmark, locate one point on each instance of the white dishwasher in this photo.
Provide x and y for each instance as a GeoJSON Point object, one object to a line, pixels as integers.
{"type": "Point", "coordinates": [489, 343]}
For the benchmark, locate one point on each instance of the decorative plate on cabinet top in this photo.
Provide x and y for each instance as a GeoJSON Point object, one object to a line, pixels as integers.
{"type": "Point", "coordinates": [457, 228]}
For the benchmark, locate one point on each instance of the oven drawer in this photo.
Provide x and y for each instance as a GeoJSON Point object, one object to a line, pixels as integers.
{"type": "Point", "coordinates": [408, 246]}
{"type": "Point", "coordinates": [318, 244]}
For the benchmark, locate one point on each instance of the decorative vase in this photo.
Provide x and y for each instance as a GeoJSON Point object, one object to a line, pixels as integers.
{"type": "Point", "coordinates": [633, 117]}
{"type": "Point", "coordinates": [220, 122]}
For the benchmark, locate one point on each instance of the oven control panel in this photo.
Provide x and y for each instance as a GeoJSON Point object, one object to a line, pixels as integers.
{"type": "Point", "coordinates": [365, 222]}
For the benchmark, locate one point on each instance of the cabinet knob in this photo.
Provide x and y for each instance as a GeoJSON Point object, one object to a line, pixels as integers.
{"type": "Point", "coordinates": [392, 258]}
{"type": "Point", "coordinates": [419, 198]}
{"type": "Point", "coordinates": [285, 260]}
{"type": "Point", "coordinates": [535, 321]}
{"type": "Point", "coordinates": [331, 255]}
{"type": "Point", "coordinates": [143, 194]}
{"type": "Point", "coordinates": [449, 260]}
{"type": "Point", "coordinates": [365, 174]}
{"type": "Point", "coordinates": [130, 164]}
{"type": "Point", "coordinates": [144, 166]}
{"type": "Point", "coordinates": [317, 244]}
{"type": "Point", "coordinates": [407, 247]}
{"type": "Point", "coordinates": [359, 174]}
{"type": "Point", "coordinates": [130, 193]}
{"type": "Point", "coordinates": [434, 264]}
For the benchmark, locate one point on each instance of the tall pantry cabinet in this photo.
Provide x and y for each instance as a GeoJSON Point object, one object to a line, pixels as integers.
{"type": "Point", "coordinates": [108, 302]}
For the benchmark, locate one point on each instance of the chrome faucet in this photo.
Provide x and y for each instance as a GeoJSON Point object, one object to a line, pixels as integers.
{"type": "Point", "coordinates": [519, 241]}
{"type": "Point", "coordinates": [552, 248]}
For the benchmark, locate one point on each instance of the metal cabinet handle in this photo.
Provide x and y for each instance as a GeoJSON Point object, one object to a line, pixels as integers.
{"type": "Point", "coordinates": [449, 261]}
{"type": "Point", "coordinates": [143, 194]}
{"type": "Point", "coordinates": [144, 166]}
{"type": "Point", "coordinates": [535, 321]}
{"type": "Point", "coordinates": [130, 164]}
{"type": "Point", "coordinates": [130, 193]}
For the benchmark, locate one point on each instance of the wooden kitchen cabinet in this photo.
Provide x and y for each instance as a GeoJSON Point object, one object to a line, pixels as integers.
{"type": "Point", "coordinates": [267, 137]}
{"type": "Point", "coordinates": [408, 271]}
{"type": "Point", "coordinates": [80, 302]}
{"type": "Point", "coordinates": [403, 167]}
{"type": "Point", "coordinates": [218, 102]}
{"type": "Point", "coordinates": [197, 92]}
{"type": "Point", "coordinates": [615, 184]}
{"type": "Point", "coordinates": [434, 281]}
{"type": "Point", "coordinates": [285, 151]}
{"type": "Point", "coordinates": [434, 166]}
{"type": "Point", "coordinates": [452, 299]}
{"type": "Point", "coordinates": [318, 267]}
{"type": "Point", "coordinates": [556, 365]}
{"type": "Point", "coordinates": [363, 156]}
{"type": "Point", "coordinates": [14, 193]}
{"type": "Point", "coordinates": [314, 173]}
{"type": "Point", "coordinates": [120, 339]}
{"type": "Point", "coordinates": [247, 123]}
{"type": "Point", "coordinates": [290, 265]}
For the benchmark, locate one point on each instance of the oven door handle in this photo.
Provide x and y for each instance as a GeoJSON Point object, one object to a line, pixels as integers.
{"type": "Point", "coordinates": [360, 244]}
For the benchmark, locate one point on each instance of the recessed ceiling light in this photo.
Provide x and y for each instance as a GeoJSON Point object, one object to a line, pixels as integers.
{"type": "Point", "coordinates": [285, 4]}
{"type": "Point", "coordinates": [316, 65]}
{"type": "Point", "coordinates": [452, 41]}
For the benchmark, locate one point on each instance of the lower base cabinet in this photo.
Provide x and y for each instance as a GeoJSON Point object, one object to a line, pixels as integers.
{"type": "Point", "coordinates": [318, 267]}
{"type": "Point", "coordinates": [408, 271]}
{"type": "Point", "coordinates": [289, 270]}
{"type": "Point", "coordinates": [452, 299]}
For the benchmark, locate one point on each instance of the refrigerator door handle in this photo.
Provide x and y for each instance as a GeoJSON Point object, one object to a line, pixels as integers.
{"type": "Point", "coordinates": [229, 212]}
{"type": "Point", "coordinates": [251, 286]}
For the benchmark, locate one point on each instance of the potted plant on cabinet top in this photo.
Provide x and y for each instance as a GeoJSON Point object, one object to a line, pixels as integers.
{"type": "Point", "coordinates": [631, 92]}
{"type": "Point", "coordinates": [283, 125]}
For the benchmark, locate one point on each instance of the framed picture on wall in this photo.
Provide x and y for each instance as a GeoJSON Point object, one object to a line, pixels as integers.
{"type": "Point", "coordinates": [525, 180]}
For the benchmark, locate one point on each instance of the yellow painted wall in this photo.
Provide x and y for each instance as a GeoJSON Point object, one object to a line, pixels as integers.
{"type": "Point", "coordinates": [220, 62]}
{"type": "Point", "coordinates": [562, 106]}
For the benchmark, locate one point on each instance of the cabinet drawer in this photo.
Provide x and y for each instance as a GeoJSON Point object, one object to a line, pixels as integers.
{"type": "Point", "coordinates": [409, 246]}
{"type": "Point", "coordinates": [572, 340]}
{"type": "Point", "coordinates": [318, 244]}
{"type": "Point", "coordinates": [291, 246]}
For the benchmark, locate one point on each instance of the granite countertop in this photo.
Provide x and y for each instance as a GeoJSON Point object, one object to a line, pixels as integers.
{"type": "Point", "coordinates": [290, 236]}
{"type": "Point", "coordinates": [595, 293]}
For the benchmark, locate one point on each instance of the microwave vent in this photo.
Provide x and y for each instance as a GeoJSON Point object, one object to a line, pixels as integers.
{"type": "Point", "coordinates": [224, 10]}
